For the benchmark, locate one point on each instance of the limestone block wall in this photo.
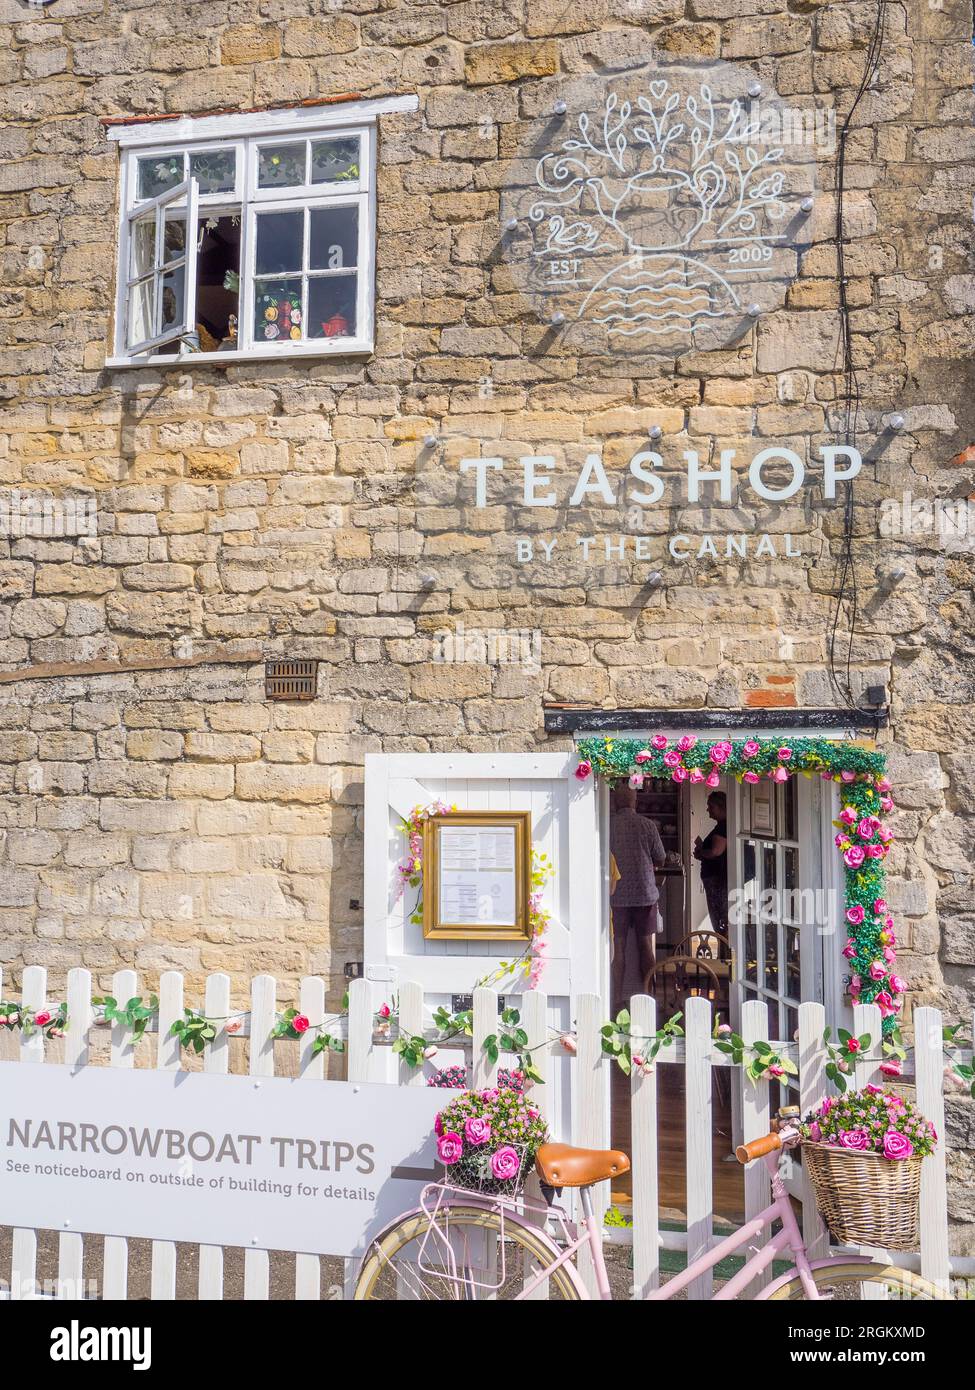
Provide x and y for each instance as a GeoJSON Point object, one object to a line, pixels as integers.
{"type": "Point", "coordinates": [172, 817]}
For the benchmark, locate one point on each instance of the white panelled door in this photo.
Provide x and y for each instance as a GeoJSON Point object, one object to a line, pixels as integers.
{"type": "Point", "coordinates": [564, 826]}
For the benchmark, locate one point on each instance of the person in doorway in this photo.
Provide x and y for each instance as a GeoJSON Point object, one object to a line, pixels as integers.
{"type": "Point", "coordinates": [712, 854]}
{"type": "Point", "coordinates": [636, 846]}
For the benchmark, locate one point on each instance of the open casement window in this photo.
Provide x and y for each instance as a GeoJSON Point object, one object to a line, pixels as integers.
{"type": "Point", "coordinates": [161, 284]}
{"type": "Point", "coordinates": [253, 242]}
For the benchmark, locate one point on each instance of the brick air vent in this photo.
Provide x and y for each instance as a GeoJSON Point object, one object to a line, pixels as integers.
{"type": "Point", "coordinates": [290, 680]}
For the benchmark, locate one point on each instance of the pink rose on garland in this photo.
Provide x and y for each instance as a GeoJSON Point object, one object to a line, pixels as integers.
{"type": "Point", "coordinates": [865, 830]}
{"type": "Point", "coordinates": [875, 851]}
{"type": "Point", "coordinates": [751, 748]}
{"type": "Point", "coordinates": [679, 774]}
{"type": "Point", "coordinates": [857, 1139]}
{"type": "Point", "coordinates": [891, 1067]}
{"type": "Point", "coordinates": [850, 950]}
{"type": "Point", "coordinates": [450, 1147]}
{"type": "Point", "coordinates": [898, 984]}
{"type": "Point", "coordinates": [785, 754]}
{"type": "Point", "coordinates": [880, 906]}
{"type": "Point", "coordinates": [686, 743]}
{"type": "Point", "coordinates": [477, 1131]}
{"type": "Point", "coordinates": [643, 756]}
{"type": "Point", "coordinates": [779, 775]}
{"type": "Point", "coordinates": [848, 815]}
{"type": "Point", "coordinates": [300, 1024]}
{"type": "Point", "coordinates": [751, 777]}
{"type": "Point", "coordinates": [854, 857]}
{"type": "Point", "coordinates": [713, 779]}
{"type": "Point", "coordinates": [885, 1004]}
{"type": "Point", "coordinates": [696, 775]}
{"type": "Point", "coordinates": [847, 776]}
{"type": "Point", "coordinates": [878, 970]}
{"type": "Point", "coordinates": [636, 780]}
{"type": "Point", "coordinates": [505, 1163]}
{"type": "Point", "coordinates": [855, 914]}
{"type": "Point", "coordinates": [659, 741]}
{"type": "Point", "coordinates": [583, 770]}
{"type": "Point", "coordinates": [897, 1145]}
{"type": "Point", "coordinates": [672, 758]}
{"type": "Point", "coordinates": [720, 752]}
{"type": "Point", "coordinates": [44, 1017]}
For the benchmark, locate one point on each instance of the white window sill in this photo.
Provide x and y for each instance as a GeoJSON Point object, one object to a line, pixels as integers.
{"type": "Point", "coordinates": [353, 347]}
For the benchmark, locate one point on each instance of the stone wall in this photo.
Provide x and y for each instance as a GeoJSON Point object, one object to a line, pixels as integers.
{"type": "Point", "coordinates": [172, 817]}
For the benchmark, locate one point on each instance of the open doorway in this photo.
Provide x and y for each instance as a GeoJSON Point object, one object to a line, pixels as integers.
{"type": "Point", "coordinates": [747, 923]}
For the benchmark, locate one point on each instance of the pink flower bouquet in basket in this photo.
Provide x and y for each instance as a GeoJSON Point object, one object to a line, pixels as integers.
{"type": "Point", "coordinates": [487, 1140]}
{"type": "Point", "coordinates": [863, 1154]}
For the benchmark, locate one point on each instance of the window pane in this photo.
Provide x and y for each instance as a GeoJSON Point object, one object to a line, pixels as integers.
{"type": "Point", "coordinates": [789, 813]}
{"type": "Point", "coordinates": [215, 170]}
{"type": "Point", "coordinates": [174, 239]}
{"type": "Point", "coordinates": [140, 311]}
{"type": "Point", "coordinates": [218, 281]}
{"type": "Point", "coordinates": [335, 161]}
{"type": "Point", "coordinates": [281, 166]}
{"type": "Point", "coordinates": [277, 311]}
{"type": "Point", "coordinates": [279, 241]}
{"type": "Point", "coordinates": [793, 972]}
{"type": "Point", "coordinates": [173, 296]}
{"type": "Point", "coordinates": [751, 954]}
{"type": "Point", "coordinates": [143, 247]}
{"type": "Point", "coordinates": [331, 306]}
{"type": "Point", "coordinates": [334, 241]}
{"type": "Point", "coordinates": [157, 172]}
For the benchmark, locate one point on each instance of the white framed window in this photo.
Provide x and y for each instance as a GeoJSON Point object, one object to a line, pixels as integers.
{"type": "Point", "coordinates": [248, 236]}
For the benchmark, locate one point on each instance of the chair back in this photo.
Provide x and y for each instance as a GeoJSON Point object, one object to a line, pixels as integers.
{"type": "Point", "coordinates": [678, 978]}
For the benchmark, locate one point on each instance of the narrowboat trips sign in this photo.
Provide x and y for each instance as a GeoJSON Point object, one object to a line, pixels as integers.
{"type": "Point", "coordinates": [258, 1162]}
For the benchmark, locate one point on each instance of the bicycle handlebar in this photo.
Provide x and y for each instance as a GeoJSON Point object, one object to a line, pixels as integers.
{"type": "Point", "coordinates": [783, 1138]}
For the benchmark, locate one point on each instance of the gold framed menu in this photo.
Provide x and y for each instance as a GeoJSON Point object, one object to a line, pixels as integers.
{"type": "Point", "coordinates": [477, 875]}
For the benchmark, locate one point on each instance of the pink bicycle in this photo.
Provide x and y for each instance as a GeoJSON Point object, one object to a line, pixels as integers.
{"type": "Point", "coordinates": [458, 1245]}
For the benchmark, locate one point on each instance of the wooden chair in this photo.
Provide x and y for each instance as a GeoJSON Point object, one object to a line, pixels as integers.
{"type": "Point", "coordinates": [678, 978]}
{"type": "Point", "coordinates": [705, 945]}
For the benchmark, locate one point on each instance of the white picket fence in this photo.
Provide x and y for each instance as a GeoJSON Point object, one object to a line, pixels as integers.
{"type": "Point", "coordinates": [368, 1058]}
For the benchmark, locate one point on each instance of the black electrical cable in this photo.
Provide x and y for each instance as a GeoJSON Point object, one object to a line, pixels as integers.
{"type": "Point", "coordinates": [847, 591]}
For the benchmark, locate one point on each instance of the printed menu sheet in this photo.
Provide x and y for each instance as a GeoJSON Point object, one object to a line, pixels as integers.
{"type": "Point", "coordinates": [477, 875]}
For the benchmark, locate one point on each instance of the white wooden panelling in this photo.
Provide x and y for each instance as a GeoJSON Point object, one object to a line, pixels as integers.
{"type": "Point", "coordinates": [534, 1019]}
{"type": "Point", "coordinates": [71, 1247]}
{"type": "Point", "coordinates": [590, 1109]}
{"type": "Point", "coordinates": [866, 1067]}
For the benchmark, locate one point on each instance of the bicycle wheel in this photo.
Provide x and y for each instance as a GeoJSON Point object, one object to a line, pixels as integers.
{"type": "Point", "coordinates": [458, 1260]}
{"type": "Point", "coordinates": [844, 1283]}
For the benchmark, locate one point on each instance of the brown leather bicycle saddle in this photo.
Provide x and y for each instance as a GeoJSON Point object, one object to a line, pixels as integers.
{"type": "Point", "coordinates": [561, 1165]}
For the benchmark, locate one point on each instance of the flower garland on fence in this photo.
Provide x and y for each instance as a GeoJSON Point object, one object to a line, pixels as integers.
{"type": "Point", "coordinates": [863, 837]}
{"type": "Point", "coordinates": [410, 873]}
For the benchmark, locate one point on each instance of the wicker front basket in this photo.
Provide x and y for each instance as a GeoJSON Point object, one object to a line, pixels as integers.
{"type": "Point", "coordinates": [864, 1198]}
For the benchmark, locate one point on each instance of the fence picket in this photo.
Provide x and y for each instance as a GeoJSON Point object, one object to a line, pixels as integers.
{"type": "Point", "coordinates": [534, 1012]}
{"type": "Point", "coordinates": [411, 1024]}
{"type": "Point", "coordinates": [115, 1260]}
{"type": "Point", "coordinates": [360, 1050]}
{"type": "Point", "coordinates": [216, 1062]}
{"type": "Point", "coordinates": [929, 1061]}
{"type": "Point", "coordinates": [484, 1071]}
{"type": "Point", "coordinates": [163, 1278]}
{"type": "Point", "coordinates": [71, 1247]}
{"type": "Point", "coordinates": [698, 1138]}
{"type": "Point", "coordinates": [813, 1086]}
{"type": "Point", "coordinates": [257, 1268]}
{"type": "Point", "coordinates": [643, 1142]}
{"type": "Point", "coordinates": [754, 1121]}
{"type": "Point", "coordinates": [590, 1110]}
{"type": "Point", "coordinates": [23, 1260]}
{"type": "Point", "coordinates": [311, 1067]}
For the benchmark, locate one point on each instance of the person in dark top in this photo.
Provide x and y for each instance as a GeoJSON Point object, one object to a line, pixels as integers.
{"type": "Point", "coordinates": [712, 854]}
{"type": "Point", "coordinates": [636, 847]}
